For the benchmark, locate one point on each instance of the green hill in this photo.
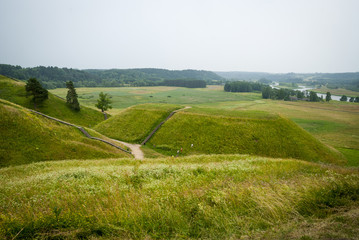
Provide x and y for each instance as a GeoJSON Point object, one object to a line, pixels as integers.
{"type": "Point", "coordinates": [135, 123]}
{"type": "Point", "coordinates": [14, 91]}
{"type": "Point", "coordinates": [197, 197]}
{"type": "Point", "coordinates": [27, 137]}
{"type": "Point", "coordinates": [243, 132]}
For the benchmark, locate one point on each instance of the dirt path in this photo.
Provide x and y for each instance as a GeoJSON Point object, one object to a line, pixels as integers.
{"type": "Point", "coordinates": [135, 149]}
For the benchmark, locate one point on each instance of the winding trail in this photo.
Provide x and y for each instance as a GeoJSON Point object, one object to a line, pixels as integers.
{"type": "Point", "coordinates": [135, 149]}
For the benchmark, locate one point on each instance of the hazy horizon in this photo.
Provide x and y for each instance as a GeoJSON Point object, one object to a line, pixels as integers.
{"type": "Point", "coordinates": [273, 36]}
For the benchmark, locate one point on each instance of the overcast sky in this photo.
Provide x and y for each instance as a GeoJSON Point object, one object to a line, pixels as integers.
{"type": "Point", "coordinates": [218, 35]}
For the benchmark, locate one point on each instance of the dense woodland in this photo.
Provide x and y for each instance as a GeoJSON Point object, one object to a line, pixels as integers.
{"type": "Point", "coordinates": [54, 77]}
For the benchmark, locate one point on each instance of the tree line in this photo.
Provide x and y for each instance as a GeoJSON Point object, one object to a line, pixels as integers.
{"type": "Point", "coordinates": [243, 86]}
{"type": "Point", "coordinates": [54, 77]}
{"type": "Point", "coordinates": [189, 83]}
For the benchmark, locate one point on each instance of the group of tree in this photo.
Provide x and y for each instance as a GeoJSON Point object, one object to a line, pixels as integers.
{"type": "Point", "coordinates": [243, 86]}
{"type": "Point", "coordinates": [289, 95]}
{"type": "Point", "coordinates": [189, 83]}
{"type": "Point", "coordinates": [344, 98]}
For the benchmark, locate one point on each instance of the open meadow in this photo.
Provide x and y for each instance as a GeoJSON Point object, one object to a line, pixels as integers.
{"type": "Point", "coordinates": [257, 169]}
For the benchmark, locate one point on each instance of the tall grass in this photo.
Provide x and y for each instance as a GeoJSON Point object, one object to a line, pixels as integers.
{"type": "Point", "coordinates": [216, 197]}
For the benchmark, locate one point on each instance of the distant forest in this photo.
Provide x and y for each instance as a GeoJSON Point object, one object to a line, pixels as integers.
{"type": "Point", "coordinates": [348, 81]}
{"type": "Point", "coordinates": [54, 77]}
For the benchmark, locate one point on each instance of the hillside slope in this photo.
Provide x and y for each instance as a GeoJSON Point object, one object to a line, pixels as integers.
{"type": "Point", "coordinates": [26, 138]}
{"type": "Point", "coordinates": [135, 123]}
{"type": "Point", "coordinates": [14, 91]}
{"type": "Point", "coordinates": [257, 135]}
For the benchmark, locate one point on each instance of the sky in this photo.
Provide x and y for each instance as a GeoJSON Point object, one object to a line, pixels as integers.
{"type": "Point", "coordinates": [218, 35]}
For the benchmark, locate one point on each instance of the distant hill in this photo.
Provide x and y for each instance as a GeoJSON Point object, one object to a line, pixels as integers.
{"type": "Point", "coordinates": [14, 91]}
{"type": "Point", "coordinates": [27, 137]}
{"type": "Point", "coordinates": [54, 77]}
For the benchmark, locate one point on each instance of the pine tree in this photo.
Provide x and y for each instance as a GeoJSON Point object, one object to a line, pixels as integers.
{"type": "Point", "coordinates": [71, 97]}
{"type": "Point", "coordinates": [33, 88]}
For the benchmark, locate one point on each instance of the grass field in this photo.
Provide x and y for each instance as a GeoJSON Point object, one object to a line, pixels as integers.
{"type": "Point", "coordinates": [14, 91]}
{"type": "Point", "coordinates": [27, 137]}
{"type": "Point", "coordinates": [129, 96]}
{"type": "Point", "coordinates": [135, 123]}
{"type": "Point", "coordinates": [216, 197]}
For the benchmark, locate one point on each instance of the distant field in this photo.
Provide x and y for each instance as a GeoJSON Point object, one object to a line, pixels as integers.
{"type": "Point", "coordinates": [129, 96]}
{"type": "Point", "coordinates": [201, 197]}
{"type": "Point", "coordinates": [339, 91]}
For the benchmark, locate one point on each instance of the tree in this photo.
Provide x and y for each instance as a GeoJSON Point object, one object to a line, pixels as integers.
{"type": "Point", "coordinates": [356, 99]}
{"type": "Point", "coordinates": [343, 98]}
{"type": "Point", "coordinates": [266, 92]}
{"type": "Point", "coordinates": [351, 99]}
{"type": "Point", "coordinates": [71, 97]}
{"type": "Point", "coordinates": [328, 97]}
{"type": "Point", "coordinates": [34, 88]}
{"type": "Point", "coordinates": [313, 97]}
{"type": "Point", "coordinates": [104, 103]}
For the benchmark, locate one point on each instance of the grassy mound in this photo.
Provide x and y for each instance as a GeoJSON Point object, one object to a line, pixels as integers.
{"type": "Point", "coordinates": [197, 197]}
{"type": "Point", "coordinates": [135, 123]}
{"type": "Point", "coordinates": [27, 137]}
{"type": "Point", "coordinates": [271, 136]}
{"type": "Point", "coordinates": [14, 91]}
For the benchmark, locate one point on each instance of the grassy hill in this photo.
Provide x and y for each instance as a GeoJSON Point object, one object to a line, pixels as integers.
{"type": "Point", "coordinates": [197, 197]}
{"type": "Point", "coordinates": [222, 132]}
{"type": "Point", "coordinates": [14, 91]}
{"type": "Point", "coordinates": [27, 137]}
{"type": "Point", "coordinates": [135, 123]}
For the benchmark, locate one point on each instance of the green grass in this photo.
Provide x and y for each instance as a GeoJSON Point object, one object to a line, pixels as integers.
{"type": "Point", "coordinates": [273, 137]}
{"type": "Point", "coordinates": [352, 155]}
{"type": "Point", "coordinates": [27, 137]}
{"type": "Point", "coordinates": [135, 123]}
{"type": "Point", "coordinates": [319, 126]}
{"type": "Point", "coordinates": [198, 197]}
{"type": "Point", "coordinates": [14, 91]}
